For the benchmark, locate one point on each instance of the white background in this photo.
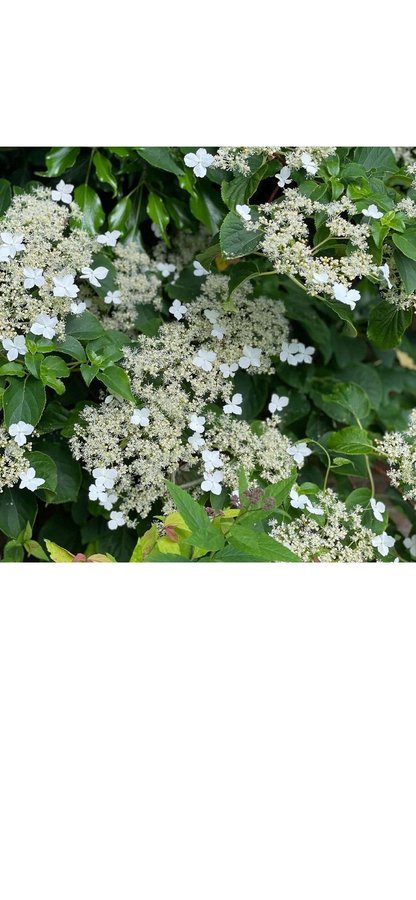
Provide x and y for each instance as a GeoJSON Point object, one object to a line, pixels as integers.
{"type": "Point", "coordinates": [237, 732]}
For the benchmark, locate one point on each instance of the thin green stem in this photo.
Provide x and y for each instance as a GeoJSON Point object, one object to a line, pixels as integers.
{"type": "Point", "coordinates": [367, 463]}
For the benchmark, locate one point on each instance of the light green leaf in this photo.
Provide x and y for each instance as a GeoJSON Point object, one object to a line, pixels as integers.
{"type": "Point", "coordinates": [117, 382]}
{"type": "Point", "coordinates": [235, 240]}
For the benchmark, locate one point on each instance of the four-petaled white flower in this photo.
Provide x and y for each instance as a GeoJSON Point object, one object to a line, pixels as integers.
{"type": "Point", "coordinates": [94, 276]}
{"type": "Point", "coordinates": [299, 501]}
{"type": "Point", "coordinates": [113, 297]}
{"type": "Point", "coordinates": [165, 268]}
{"type": "Point", "coordinates": [65, 287]}
{"type": "Point", "coordinates": [304, 354]}
{"type": "Point", "coordinates": [196, 441]}
{"type": "Point", "coordinates": [45, 325]}
{"type": "Point", "coordinates": [372, 212]}
{"type": "Point", "coordinates": [12, 244]}
{"type": "Point", "coordinates": [116, 520]}
{"type": "Point", "coordinates": [78, 308]}
{"type": "Point", "coordinates": [234, 406]}
{"type": "Point", "coordinates": [211, 315]}
{"type": "Point", "coordinates": [283, 177]}
{"type": "Point", "coordinates": [244, 211]}
{"type": "Point", "coordinates": [14, 346]}
{"type": "Point", "coordinates": [228, 369]}
{"type": "Point", "coordinates": [250, 357]}
{"type": "Point", "coordinates": [321, 277]}
{"type": "Point", "coordinates": [289, 353]}
{"type": "Point", "coordinates": [20, 431]}
{"type": "Point", "coordinates": [383, 542]}
{"type": "Point", "coordinates": [343, 295]}
{"type": "Point", "coordinates": [309, 164]}
{"type": "Point", "coordinates": [199, 162]}
{"type": "Point", "coordinates": [108, 500]}
{"type": "Point", "coordinates": [140, 416]}
{"type": "Point", "coordinates": [197, 423]}
{"type": "Point", "coordinates": [278, 403]}
{"type": "Point", "coordinates": [95, 492]}
{"type": "Point", "coordinates": [178, 309]}
{"type": "Point", "coordinates": [199, 270]}
{"type": "Point", "coordinates": [62, 192]}
{"type": "Point", "coordinates": [385, 271]}
{"type": "Point", "coordinates": [218, 332]}
{"type": "Point", "coordinates": [28, 480]}
{"type": "Point", "coordinates": [32, 278]}
{"type": "Point", "coordinates": [212, 481]}
{"type": "Point", "coordinates": [378, 509]}
{"type": "Point", "coordinates": [410, 544]}
{"type": "Point", "coordinates": [204, 359]}
{"type": "Point", "coordinates": [109, 239]}
{"type": "Point", "coordinates": [299, 452]}
{"type": "Point", "coordinates": [212, 460]}
{"type": "Point", "coordinates": [105, 478]}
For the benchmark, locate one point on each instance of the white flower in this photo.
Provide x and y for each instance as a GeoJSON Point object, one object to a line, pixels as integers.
{"type": "Point", "coordinates": [19, 431]}
{"type": "Point", "coordinates": [197, 423]}
{"type": "Point", "coordinates": [378, 509]}
{"type": "Point", "coordinates": [234, 405]}
{"type": "Point", "coordinates": [199, 270]}
{"type": "Point", "coordinates": [316, 510]}
{"type": "Point", "coordinates": [228, 369]}
{"type": "Point", "coordinates": [178, 309]}
{"type": "Point", "coordinates": [283, 177]}
{"type": "Point", "coordinates": [156, 230]}
{"type": "Point", "coordinates": [289, 352]}
{"type": "Point", "coordinates": [211, 315]}
{"type": "Point", "coordinates": [78, 308]}
{"type": "Point", "coordinates": [116, 520]}
{"type": "Point", "coordinates": [299, 452]}
{"type": "Point", "coordinates": [12, 243]}
{"type": "Point", "coordinates": [45, 325]}
{"type": "Point", "coordinates": [218, 332]}
{"type": "Point", "coordinates": [250, 357]}
{"type": "Point", "coordinates": [33, 278]}
{"type": "Point", "coordinates": [410, 544]}
{"type": "Point", "coordinates": [278, 403]}
{"type": "Point", "coordinates": [28, 480]}
{"type": "Point", "coordinates": [140, 416]}
{"type": "Point", "coordinates": [244, 211]}
{"type": "Point", "coordinates": [304, 354]}
{"type": "Point", "coordinates": [4, 253]}
{"type": "Point", "coordinates": [113, 297]}
{"type": "Point", "coordinates": [321, 277]}
{"type": "Point", "coordinates": [383, 542]}
{"type": "Point", "coordinates": [196, 441]}
{"type": "Point", "coordinates": [372, 212]}
{"type": "Point", "coordinates": [341, 293]}
{"type": "Point", "coordinates": [165, 268]}
{"type": "Point", "coordinates": [96, 493]}
{"type": "Point", "coordinates": [212, 482]}
{"type": "Point", "coordinates": [65, 287]}
{"type": "Point", "coordinates": [62, 192]}
{"type": "Point", "coordinates": [309, 164]}
{"type": "Point", "coordinates": [14, 346]}
{"type": "Point", "coordinates": [204, 359]}
{"type": "Point", "coordinates": [212, 460]}
{"type": "Point", "coordinates": [105, 478]}
{"type": "Point", "coordinates": [199, 162]}
{"type": "Point", "coordinates": [109, 239]}
{"type": "Point", "coordinates": [385, 271]}
{"type": "Point", "coordinates": [299, 501]}
{"type": "Point", "coordinates": [108, 500]}
{"type": "Point", "coordinates": [94, 276]}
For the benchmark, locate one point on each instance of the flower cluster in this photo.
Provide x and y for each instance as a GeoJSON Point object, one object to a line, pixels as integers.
{"type": "Point", "coordinates": [400, 449]}
{"type": "Point", "coordinates": [12, 460]}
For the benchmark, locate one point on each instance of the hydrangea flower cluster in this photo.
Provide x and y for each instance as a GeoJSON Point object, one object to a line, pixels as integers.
{"type": "Point", "coordinates": [400, 449]}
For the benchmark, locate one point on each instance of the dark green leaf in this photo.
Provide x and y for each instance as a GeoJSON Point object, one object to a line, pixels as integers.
{"type": "Point", "coordinates": [117, 382]}
{"type": "Point", "coordinates": [104, 170]}
{"type": "Point", "coordinates": [260, 545]}
{"type": "Point", "coordinates": [161, 158]}
{"type": "Point", "coordinates": [59, 159]}
{"type": "Point", "coordinates": [235, 240]}
{"type": "Point", "coordinates": [17, 507]}
{"type": "Point", "coordinates": [91, 208]}
{"type": "Point", "coordinates": [387, 324]}
{"type": "Point", "coordinates": [24, 401]}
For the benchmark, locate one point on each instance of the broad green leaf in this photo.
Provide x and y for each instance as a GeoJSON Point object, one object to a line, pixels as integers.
{"type": "Point", "coordinates": [59, 159]}
{"type": "Point", "coordinates": [92, 211]}
{"type": "Point", "coordinates": [160, 158]}
{"type": "Point", "coordinates": [120, 214]}
{"type": "Point", "coordinates": [352, 440]}
{"type": "Point", "coordinates": [52, 370]}
{"type": "Point", "coordinates": [117, 382]}
{"type": "Point", "coordinates": [203, 533]}
{"type": "Point", "coordinates": [207, 207]}
{"type": "Point", "coordinates": [375, 158]}
{"type": "Point", "coordinates": [13, 552]}
{"type": "Point", "coordinates": [17, 507]}
{"type": "Point", "coordinates": [359, 497]}
{"type": "Point", "coordinates": [104, 170]}
{"type": "Point", "coordinates": [406, 242]}
{"type": "Point", "coordinates": [407, 271]}
{"type": "Point", "coordinates": [282, 489]}
{"type": "Point", "coordinates": [85, 327]}
{"type": "Point", "coordinates": [45, 468]}
{"type": "Point", "coordinates": [239, 190]}
{"type": "Point", "coordinates": [145, 544]}
{"type": "Point", "coordinates": [260, 545]}
{"type": "Point", "coordinates": [24, 401]}
{"type": "Point", "coordinates": [5, 195]}
{"type": "Point", "coordinates": [156, 209]}
{"type": "Point", "coordinates": [58, 554]}
{"type": "Point", "coordinates": [69, 473]}
{"type": "Point", "coordinates": [235, 240]}
{"type": "Point", "coordinates": [148, 321]}
{"type": "Point", "coordinates": [104, 351]}
{"type": "Point", "coordinates": [71, 347]}
{"type": "Point", "coordinates": [387, 324]}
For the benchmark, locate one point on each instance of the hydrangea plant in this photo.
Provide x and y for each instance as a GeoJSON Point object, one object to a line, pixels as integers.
{"type": "Point", "coordinates": [208, 354]}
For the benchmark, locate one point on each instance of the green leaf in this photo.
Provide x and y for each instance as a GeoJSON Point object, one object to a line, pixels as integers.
{"type": "Point", "coordinates": [85, 327]}
{"type": "Point", "coordinates": [117, 382]}
{"type": "Point", "coordinates": [45, 468]}
{"type": "Point", "coordinates": [34, 549]}
{"type": "Point", "coordinates": [71, 347]}
{"type": "Point", "coordinates": [52, 369]}
{"type": "Point", "coordinates": [352, 440]}
{"type": "Point", "coordinates": [239, 190]}
{"type": "Point", "coordinates": [406, 242]}
{"type": "Point", "coordinates": [235, 240]}
{"type": "Point", "coordinates": [407, 271]}
{"type": "Point", "coordinates": [59, 159]}
{"type": "Point", "coordinates": [17, 507]}
{"type": "Point", "coordinates": [5, 195]}
{"type": "Point", "coordinates": [13, 552]}
{"type": "Point", "coordinates": [13, 368]}
{"type": "Point", "coordinates": [104, 170]}
{"type": "Point", "coordinates": [90, 205]}
{"type": "Point", "coordinates": [69, 473]}
{"type": "Point", "coordinates": [387, 324]}
{"type": "Point", "coordinates": [156, 209]}
{"type": "Point", "coordinates": [54, 417]}
{"type": "Point", "coordinates": [259, 545]}
{"type": "Point", "coordinates": [88, 373]}
{"type": "Point", "coordinates": [148, 321]}
{"type": "Point", "coordinates": [120, 214]}
{"type": "Point", "coordinates": [207, 207]}
{"type": "Point", "coordinates": [375, 158]}
{"type": "Point", "coordinates": [160, 158]}
{"type": "Point", "coordinates": [24, 401]}
{"type": "Point", "coordinates": [203, 533]}
{"type": "Point", "coordinates": [359, 497]}
{"type": "Point", "coordinates": [352, 397]}
{"type": "Point", "coordinates": [254, 390]}
{"type": "Point", "coordinates": [282, 489]}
